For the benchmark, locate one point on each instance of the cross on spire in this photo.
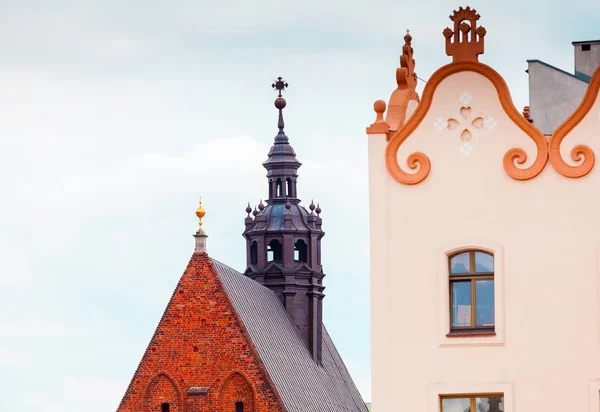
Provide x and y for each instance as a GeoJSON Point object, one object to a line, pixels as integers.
{"type": "Point", "coordinates": [280, 103]}
{"type": "Point", "coordinates": [280, 85]}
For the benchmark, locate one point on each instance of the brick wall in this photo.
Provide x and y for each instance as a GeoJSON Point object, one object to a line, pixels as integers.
{"type": "Point", "coordinates": [200, 342]}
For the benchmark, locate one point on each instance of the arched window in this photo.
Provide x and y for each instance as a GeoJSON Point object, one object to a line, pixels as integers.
{"type": "Point", "coordinates": [279, 188]}
{"type": "Point", "coordinates": [274, 251]}
{"type": "Point", "coordinates": [254, 253]}
{"type": "Point", "coordinates": [289, 187]}
{"type": "Point", "coordinates": [301, 251]}
{"type": "Point", "coordinates": [165, 407]}
{"type": "Point", "coordinates": [471, 275]}
{"type": "Point", "coordinates": [271, 189]}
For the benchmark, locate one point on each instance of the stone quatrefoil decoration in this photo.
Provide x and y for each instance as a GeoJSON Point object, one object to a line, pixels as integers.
{"type": "Point", "coordinates": [466, 124]}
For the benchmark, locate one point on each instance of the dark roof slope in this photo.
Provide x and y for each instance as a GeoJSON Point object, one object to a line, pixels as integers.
{"type": "Point", "coordinates": [303, 385]}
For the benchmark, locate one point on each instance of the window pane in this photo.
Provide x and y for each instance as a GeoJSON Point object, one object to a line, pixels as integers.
{"type": "Point", "coordinates": [490, 404]}
{"type": "Point", "coordinates": [456, 405]}
{"type": "Point", "coordinates": [484, 296]}
{"type": "Point", "coordinates": [484, 262]}
{"type": "Point", "coordinates": [461, 303]}
{"type": "Point", "coordinates": [460, 263]}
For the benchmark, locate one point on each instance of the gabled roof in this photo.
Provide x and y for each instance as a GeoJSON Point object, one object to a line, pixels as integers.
{"type": "Point", "coordinates": [575, 43]}
{"type": "Point", "coordinates": [302, 385]}
{"type": "Point", "coordinates": [584, 78]}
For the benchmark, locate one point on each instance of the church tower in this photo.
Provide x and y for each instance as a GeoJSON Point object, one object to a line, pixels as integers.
{"type": "Point", "coordinates": [284, 240]}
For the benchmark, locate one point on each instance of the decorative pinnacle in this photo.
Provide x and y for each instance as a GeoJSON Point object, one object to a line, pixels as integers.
{"type": "Point", "coordinates": [280, 85]}
{"type": "Point", "coordinates": [248, 209]}
{"type": "Point", "coordinates": [200, 212]}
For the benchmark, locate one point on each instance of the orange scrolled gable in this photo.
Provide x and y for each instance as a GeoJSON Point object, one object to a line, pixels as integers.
{"type": "Point", "coordinates": [464, 44]}
{"type": "Point", "coordinates": [421, 162]}
{"type": "Point", "coordinates": [579, 153]}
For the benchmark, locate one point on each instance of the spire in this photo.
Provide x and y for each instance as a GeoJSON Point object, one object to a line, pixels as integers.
{"type": "Point", "coordinates": [282, 165]}
{"type": "Point", "coordinates": [468, 38]}
{"type": "Point", "coordinates": [280, 85]}
{"type": "Point", "coordinates": [200, 235]}
{"type": "Point", "coordinates": [283, 240]}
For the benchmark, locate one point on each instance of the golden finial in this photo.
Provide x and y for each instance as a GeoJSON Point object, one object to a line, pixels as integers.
{"type": "Point", "coordinates": [200, 212]}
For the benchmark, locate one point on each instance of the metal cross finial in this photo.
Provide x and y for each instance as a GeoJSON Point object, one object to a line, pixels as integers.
{"type": "Point", "coordinates": [280, 85]}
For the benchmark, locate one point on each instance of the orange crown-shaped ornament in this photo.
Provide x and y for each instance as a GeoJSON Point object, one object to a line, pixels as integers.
{"type": "Point", "coordinates": [465, 42]}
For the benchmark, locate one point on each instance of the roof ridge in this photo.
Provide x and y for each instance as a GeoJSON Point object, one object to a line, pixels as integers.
{"type": "Point", "coordinates": [238, 273]}
{"type": "Point", "coordinates": [556, 68]}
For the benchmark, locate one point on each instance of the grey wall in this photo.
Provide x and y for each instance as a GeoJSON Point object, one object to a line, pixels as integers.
{"type": "Point", "coordinates": [553, 95]}
{"type": "Point", "coordinates": [587, 62]}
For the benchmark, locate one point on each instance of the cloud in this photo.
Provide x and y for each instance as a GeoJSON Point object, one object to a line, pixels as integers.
{"type": "Point", "coordinates": [118, 115]}
{"type": "Point", "coordinates": [14, 266]}
{"type": "Point", "coordinates": [9, 357]}
{"type": "Point", "coordinates": [42, 328]}
{"type": "Point", "coordinates": [70, 393]}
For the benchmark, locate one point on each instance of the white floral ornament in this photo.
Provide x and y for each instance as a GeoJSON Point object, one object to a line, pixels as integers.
{"type": "Point", "coordinates": [440, 124]}
{"type": "Point", "coordinates": [465, 98]}
{"type": "Point", "coordinates": [490, 122]}
{"type": "Point", "coordinates": [465, 125]}
{"type": "Point", "coordinates": [466, 148]}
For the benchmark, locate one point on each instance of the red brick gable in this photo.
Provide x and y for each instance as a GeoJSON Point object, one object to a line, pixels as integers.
{"type": "Point", "coordinates": [200, 342]}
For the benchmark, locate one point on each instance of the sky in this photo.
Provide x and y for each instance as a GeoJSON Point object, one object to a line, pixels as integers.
{"type": "Point", "coordinates": [116, 116]}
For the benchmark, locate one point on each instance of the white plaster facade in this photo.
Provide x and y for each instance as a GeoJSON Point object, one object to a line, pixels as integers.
{"type": "Point", "coordinates": [545, 235]}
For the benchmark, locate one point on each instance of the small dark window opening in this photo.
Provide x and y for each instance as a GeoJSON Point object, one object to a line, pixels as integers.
{"type": "Point", "coordinates": [301, 251]}
{"type": "Point", "coordinates": [239, 407]}
{"type": "Point", "coordinates": [165, 407]}
{"type": "Point", "coordinates": [289, 187]}
{"type": "Point", "coordinates": [271, 189]}
{"type": "Point", "coordinates": [586, 47]}
{"type": "Point", "coordinates": [254, 253]}
{"type": "Point", "coordinates": [274, 251]}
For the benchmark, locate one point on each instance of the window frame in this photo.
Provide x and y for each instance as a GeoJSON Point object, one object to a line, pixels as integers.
{"type": "Point", "coordinates": [472, 277]}
{"type": "Point", "coordinates": [472, 398]}
{"type": "Point", "coordinates": [446, 339]}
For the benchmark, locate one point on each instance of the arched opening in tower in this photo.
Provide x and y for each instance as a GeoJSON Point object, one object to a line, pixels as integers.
{"type": "Point", "coordinates": [301, 251]}
{"type": "Point", "coordinates": [289, 187]}
{"type": "Point", "coordinates": [254, 253]}
{"type": "Point", "coordinates": [275, 251]}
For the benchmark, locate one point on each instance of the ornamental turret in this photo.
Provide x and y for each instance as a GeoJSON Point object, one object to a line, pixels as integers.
{"type": "Point", "coordinates": [284, 240]}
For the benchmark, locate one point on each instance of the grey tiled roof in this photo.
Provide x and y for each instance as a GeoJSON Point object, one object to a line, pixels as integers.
{"type": "Point", "coordinates": [303, 385]}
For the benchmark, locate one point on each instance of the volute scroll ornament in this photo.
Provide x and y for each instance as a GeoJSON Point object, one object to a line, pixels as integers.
{"type": "Point", "coordinates": [465, 44]}
{"type": "Point", "coordinates": [582, 154]}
